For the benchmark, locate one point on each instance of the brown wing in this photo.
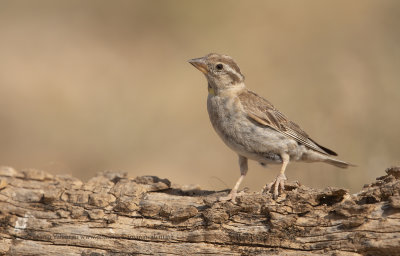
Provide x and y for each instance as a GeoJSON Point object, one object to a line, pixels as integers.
{"type": "Point", "coordinates": [263, 112]}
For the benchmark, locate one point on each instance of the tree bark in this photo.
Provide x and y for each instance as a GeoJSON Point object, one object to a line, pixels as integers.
{"type": "Point", "coordinates": [42, 214]}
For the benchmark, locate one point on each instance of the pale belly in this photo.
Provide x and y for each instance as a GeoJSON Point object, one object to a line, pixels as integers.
{"type": "Point", "coordinates": [256, 142]}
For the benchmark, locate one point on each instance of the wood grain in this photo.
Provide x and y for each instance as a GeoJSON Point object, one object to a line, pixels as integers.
{"type": "Point", "coordinates": [113, 214]}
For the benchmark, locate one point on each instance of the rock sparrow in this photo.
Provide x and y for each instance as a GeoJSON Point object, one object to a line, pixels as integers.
{"type": "Point", "coordinates": [252, 127]}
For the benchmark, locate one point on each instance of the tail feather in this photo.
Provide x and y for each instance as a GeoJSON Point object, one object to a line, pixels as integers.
{"type": "Point", "coordinates": [327, 150]}
{"type": "Point", "coordinates": [338, 163]}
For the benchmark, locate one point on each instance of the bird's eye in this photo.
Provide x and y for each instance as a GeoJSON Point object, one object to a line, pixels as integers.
{"type": "Point", "coordinates": [219, 66]}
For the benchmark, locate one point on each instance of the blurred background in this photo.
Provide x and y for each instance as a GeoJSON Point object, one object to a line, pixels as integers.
{"type": "Point", "coordinates": [88, 86]}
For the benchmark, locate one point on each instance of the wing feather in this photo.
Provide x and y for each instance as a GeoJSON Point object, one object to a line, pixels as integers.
{"type": "Point", "coordinates": [263, 112]}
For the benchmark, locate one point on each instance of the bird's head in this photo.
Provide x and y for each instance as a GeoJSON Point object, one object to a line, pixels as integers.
{"type": "Point", "coordinates": [221, 71]}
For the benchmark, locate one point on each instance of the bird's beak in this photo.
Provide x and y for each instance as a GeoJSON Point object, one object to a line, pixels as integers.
{"type": "Point", "coordinates": [200, 64]}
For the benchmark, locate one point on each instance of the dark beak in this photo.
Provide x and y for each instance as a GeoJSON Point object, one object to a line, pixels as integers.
{"type": "Point", "coordinates": [200, 64]}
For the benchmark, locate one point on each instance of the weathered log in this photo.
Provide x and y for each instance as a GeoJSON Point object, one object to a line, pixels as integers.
{"type": "Point", "coordinates": [42, 214]}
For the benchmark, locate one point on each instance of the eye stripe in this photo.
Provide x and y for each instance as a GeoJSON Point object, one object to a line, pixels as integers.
{"type": "Point", "coordinates": [237, 77]}
{"type": "Point", "coordinates": [233, 65]}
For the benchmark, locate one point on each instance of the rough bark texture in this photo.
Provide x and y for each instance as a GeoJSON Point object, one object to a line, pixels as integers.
{"type": "Point", "coordinates": [42, 214]}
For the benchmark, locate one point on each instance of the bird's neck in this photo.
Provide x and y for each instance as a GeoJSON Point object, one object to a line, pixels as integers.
{"type": "Point", "coordinates": [233, 90]}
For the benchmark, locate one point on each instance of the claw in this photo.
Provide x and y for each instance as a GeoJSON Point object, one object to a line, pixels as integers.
{"type": "Point", "coordinates": [227, 198]}
{"type": "Point", "coordinates": [231, 197]}
{"type": "Point", "coordinates": [276, 186]}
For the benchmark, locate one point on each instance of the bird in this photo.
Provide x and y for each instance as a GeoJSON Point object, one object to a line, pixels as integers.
{"type": "Point", "coordinates": [252, 127]}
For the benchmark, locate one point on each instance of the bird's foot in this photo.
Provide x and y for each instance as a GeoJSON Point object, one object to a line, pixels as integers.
{"type": "Point", "coordinates": [231, 197]}
{"type": "Point", "coordinates": [276, 186]}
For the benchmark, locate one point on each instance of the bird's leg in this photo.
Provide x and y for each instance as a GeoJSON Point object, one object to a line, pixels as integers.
{"type": "Point", "coordinates": [279, 182]}
{"type": "Point", "coordinates": [243, 170]}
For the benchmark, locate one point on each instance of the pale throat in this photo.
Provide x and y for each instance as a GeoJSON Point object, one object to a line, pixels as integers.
{"type": "Point", "coordinates": [232, 90]}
